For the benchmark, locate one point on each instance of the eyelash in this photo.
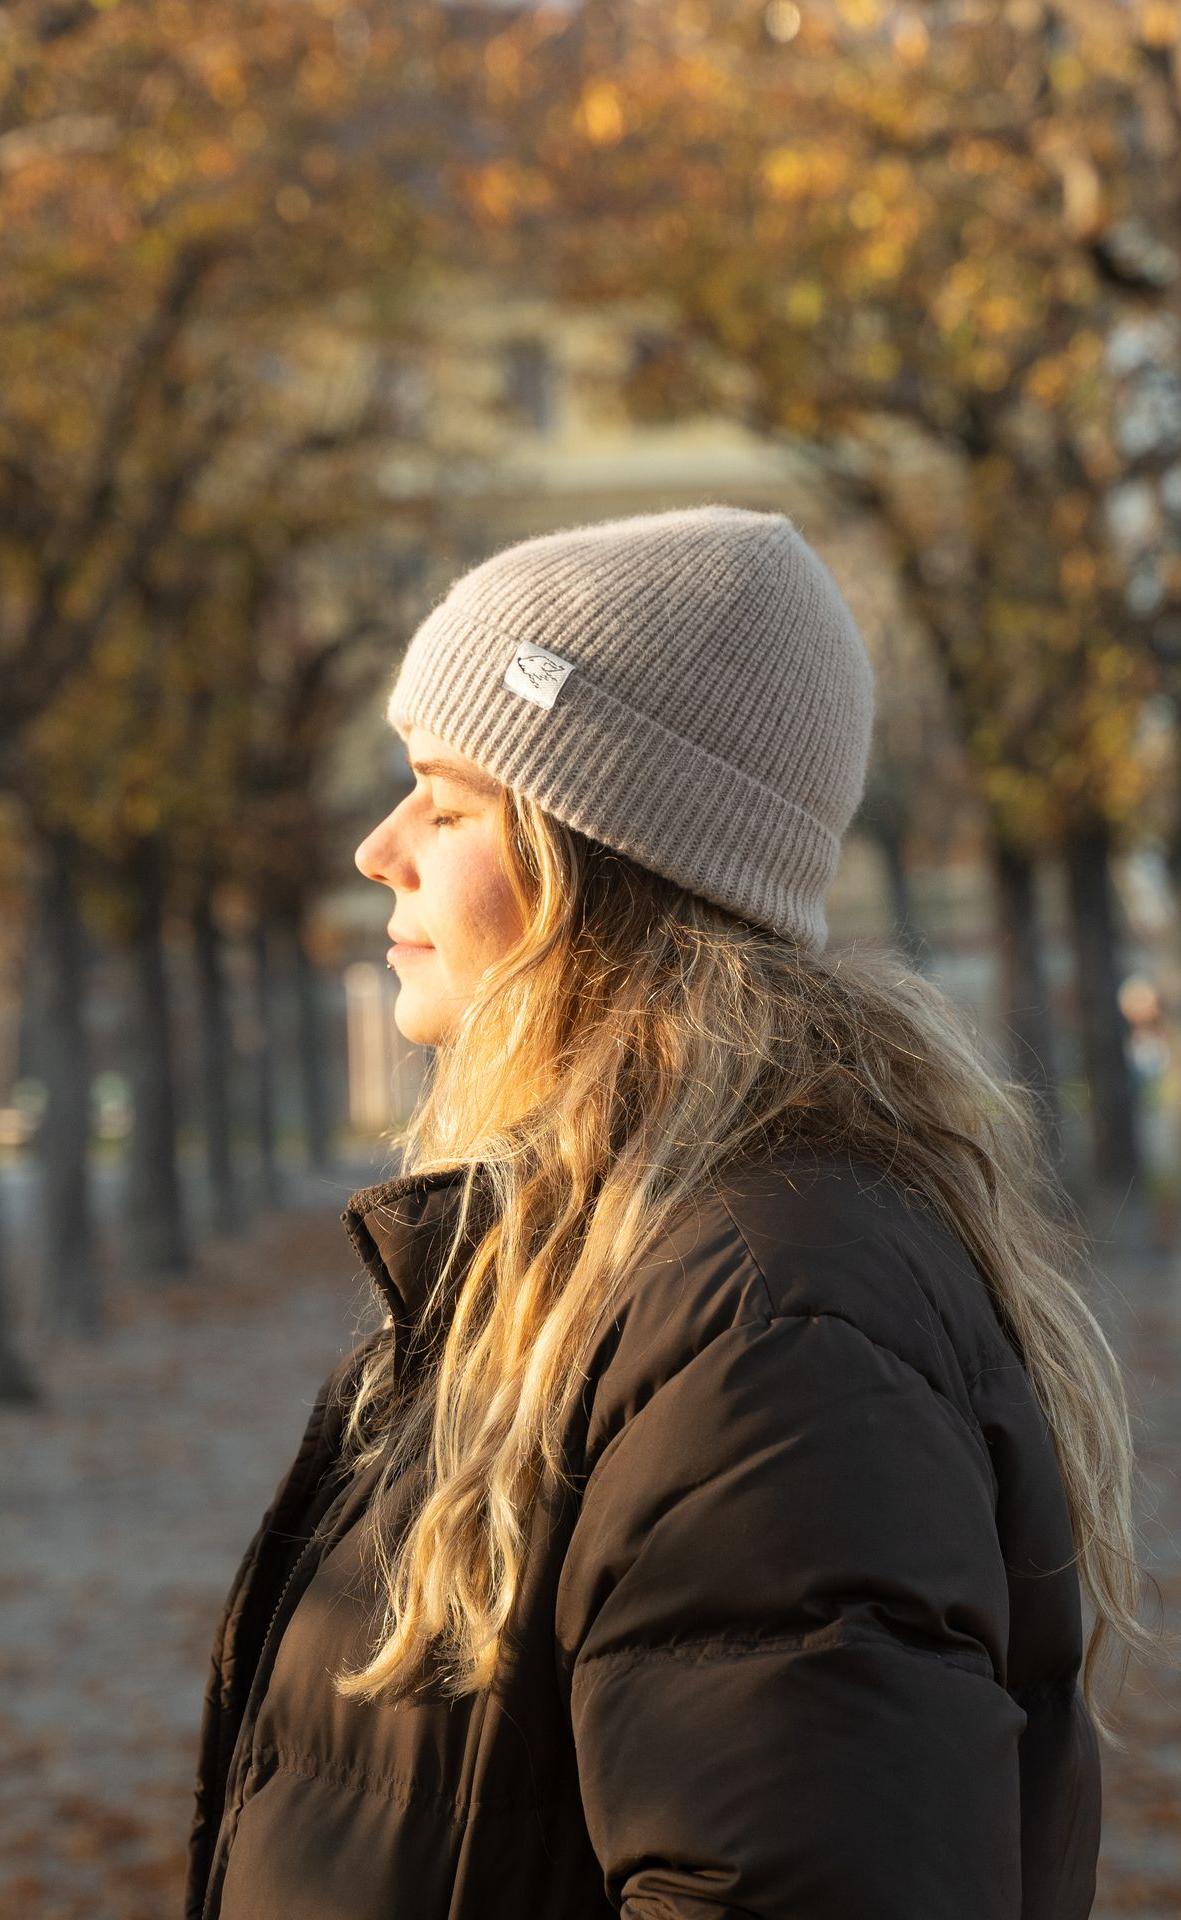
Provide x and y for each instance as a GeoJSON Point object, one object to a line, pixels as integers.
{"type": "Point", "coordinates": [444, 819]}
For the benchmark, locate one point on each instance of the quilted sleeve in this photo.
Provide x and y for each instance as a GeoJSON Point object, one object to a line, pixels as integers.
{"type": "Point", "coordinates": [783, 1617]}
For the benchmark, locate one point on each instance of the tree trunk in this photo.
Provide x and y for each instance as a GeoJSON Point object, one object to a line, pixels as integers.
{"type": "Point", "coordinates": [217, 1067]}
{"type": "Point", "coordinates": [18, 1385]}
{"type": "Point", "coordinates": [313, 1077]}
{"type": "Point", "coordinates": [72, 1294]}
{"type": "Point", "coordinates": [270, 1180]}
{"type": "Point", "coordinates": [1025, 993]}
{"type": "Point", "coordinates": [891, 845]}
{"type": "Point", "coordinates": [1114, 1137]}
{"type": "Point", "coordinates": [884, 818]}
{"type": "Point", "coordinates": [157, 1239]}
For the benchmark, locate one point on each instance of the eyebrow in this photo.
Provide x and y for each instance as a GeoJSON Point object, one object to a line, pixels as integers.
{"type": "Point", "coordinates": [463, 776]}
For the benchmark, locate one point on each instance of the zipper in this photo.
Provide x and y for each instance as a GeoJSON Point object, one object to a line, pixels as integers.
{"type": "Point", "coordinates": [275, 1611]}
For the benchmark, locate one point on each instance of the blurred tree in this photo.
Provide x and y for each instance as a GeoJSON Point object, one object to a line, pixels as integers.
{"type": "Point", "coordinates": [888, 219]}
{"type": "Point", "coordinates": [210, 220]}
{"type": "Point", "coordinates": [18, 1382]}
{"type": "Point", "coordinates": [72, 1296]}
{"type": "Point", "coordinates": [184, 190]}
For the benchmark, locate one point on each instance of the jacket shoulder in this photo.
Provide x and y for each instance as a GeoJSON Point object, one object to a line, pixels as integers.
{"type": "Point", "coordinates": [800, 1237]}
{"type": "Point", "coordinates": [836, 1235]}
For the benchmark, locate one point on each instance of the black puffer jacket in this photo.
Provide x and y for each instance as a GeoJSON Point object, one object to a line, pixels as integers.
{"type": "Point", "coordinates": [803, 1644]}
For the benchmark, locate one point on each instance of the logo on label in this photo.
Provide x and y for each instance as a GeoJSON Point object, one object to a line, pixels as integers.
{"type": "Point", "coordinates": [537, 673]}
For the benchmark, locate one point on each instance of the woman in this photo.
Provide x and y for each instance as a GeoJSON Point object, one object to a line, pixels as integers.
{"type": "Point", "coordinates": [702, 1532]}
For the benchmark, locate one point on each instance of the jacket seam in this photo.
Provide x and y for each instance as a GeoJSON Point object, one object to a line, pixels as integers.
{"type": "Point", "coordinates": [970, 1424]}
{"type": "Point", "coordinates": [395, 1788]}
{"type": "Point", "coordinates": [755, 1262]}
{"type": "Point", "coordinates": [701, 1646]}
{"type": "Point", "coordinates": [968, 1419]}
{"type": "Point", "coordinates": [822, 1641]}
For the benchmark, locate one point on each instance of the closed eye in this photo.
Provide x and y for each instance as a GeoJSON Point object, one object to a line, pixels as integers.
{"type": "Point", "coordinates": [444, 819]}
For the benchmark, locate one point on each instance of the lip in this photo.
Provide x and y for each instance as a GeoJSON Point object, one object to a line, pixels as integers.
{"type": "Point", "coordinates": [405, 950]}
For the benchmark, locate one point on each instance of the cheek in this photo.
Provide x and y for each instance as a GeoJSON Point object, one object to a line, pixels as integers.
{"type": "Point", "coordinates": [484, 910]}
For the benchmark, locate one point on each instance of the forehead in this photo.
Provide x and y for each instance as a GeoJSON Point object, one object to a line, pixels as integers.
{"type": "Point", "coordinates": [432, 758]}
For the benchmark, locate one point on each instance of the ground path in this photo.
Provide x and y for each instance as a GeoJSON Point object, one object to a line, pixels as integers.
{"type": "Point", "coordinates": [125, 1505]}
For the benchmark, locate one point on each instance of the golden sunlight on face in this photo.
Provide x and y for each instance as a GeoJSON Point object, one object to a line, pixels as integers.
{"type": "Point", "coordinates": [453, 911]}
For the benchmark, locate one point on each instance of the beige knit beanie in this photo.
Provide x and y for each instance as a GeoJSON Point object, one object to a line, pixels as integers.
{"type": "Point", "coordinates": [688, 687]}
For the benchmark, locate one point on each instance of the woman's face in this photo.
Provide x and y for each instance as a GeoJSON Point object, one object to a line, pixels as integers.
{"type": "Point", "coordinates": [438, 852]}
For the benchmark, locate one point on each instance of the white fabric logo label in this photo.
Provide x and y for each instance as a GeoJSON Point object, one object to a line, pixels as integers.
{"type": "Point", "coordinates": [537, 673]}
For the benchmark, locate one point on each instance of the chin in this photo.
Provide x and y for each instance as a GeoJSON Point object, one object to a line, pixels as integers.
{"type": "Point", "coordinates": [413, 1025]}
{"type": "Point", "coordinates": [424, 1025]}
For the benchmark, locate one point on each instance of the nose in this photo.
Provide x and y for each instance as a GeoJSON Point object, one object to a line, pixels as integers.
{"type": "Point", "coordinates": [364, 856]}
{"type": "Point", "coordinates": [377, 852]}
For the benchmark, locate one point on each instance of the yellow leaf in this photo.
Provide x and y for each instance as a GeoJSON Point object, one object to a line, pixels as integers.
{"type": "Point", "coordinates": [785, 170]}
{"type": "Point", "coordinates": [600, 113]}
{"type": "Point", "coordinates": [805, 302]}
{"type": "Point", "coordinates": [1160, 24]}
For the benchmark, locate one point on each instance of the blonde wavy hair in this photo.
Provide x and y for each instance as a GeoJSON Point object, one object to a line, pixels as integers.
{"type": "Point", "coordinates": [634, 1040]}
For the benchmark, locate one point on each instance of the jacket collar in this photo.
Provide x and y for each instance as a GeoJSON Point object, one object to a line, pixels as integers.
{"type": "Point", "coordinates": [400, 1228]}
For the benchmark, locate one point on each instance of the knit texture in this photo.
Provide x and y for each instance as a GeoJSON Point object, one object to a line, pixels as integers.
{"type": "Point", "coordinates": [688, 687]}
